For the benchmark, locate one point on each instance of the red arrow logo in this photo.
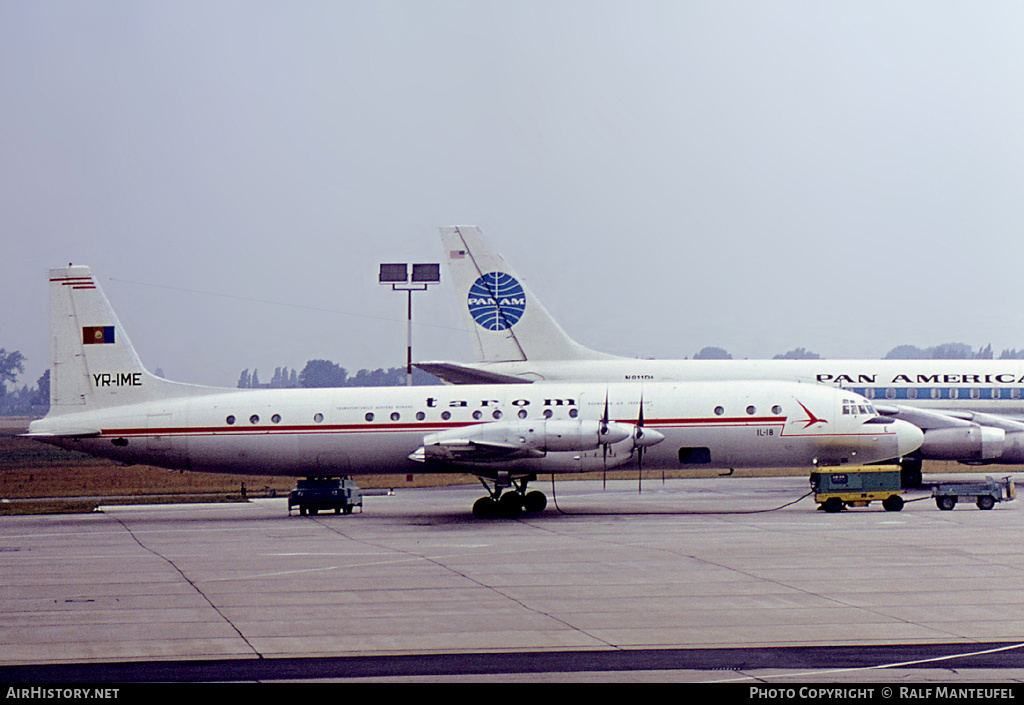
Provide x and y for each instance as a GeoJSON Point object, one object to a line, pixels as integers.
{"type": "Point", "coordinates": [811, 418]}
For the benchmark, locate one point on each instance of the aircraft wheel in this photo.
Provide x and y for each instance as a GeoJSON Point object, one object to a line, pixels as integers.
{"type": "Point", "coordinates": [510, 505]}
{"type": "Point", "coordinates": [910, 474]}
{"type": "Point", "coordinates": [485, 508]}
{"type": "Point", "coordinates": [832, 505]}
{"type": "Point", "coordinates": [986, 502]}
{"type": "Point", "coordinates": [893, 503]}
{"type": "Point", "coordinates": [535, 501]}
{"type": "Point", "coordinates": [945, 502]}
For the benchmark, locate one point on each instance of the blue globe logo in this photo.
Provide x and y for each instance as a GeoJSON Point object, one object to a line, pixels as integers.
{"type": "Point", "coordinates": [496, 301]}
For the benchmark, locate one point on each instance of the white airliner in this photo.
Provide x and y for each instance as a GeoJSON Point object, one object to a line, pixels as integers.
{"type": "Point", "coordinates": [970, 410]}
{"type": "Point", "coordinates": [103, 402]}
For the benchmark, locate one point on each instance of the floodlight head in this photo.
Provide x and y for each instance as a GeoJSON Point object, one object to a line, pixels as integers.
{"type": "Point", "coordinates": [426, 273]}
{"type": "Point", "coordinates": [394, 273]}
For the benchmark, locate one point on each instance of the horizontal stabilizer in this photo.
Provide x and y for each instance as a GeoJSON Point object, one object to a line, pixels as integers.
{"type": "Point", "coordinates": [453, 373]}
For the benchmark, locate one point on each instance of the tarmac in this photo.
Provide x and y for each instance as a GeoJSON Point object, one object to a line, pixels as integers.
{"type": "Point", "coordinates": [726, 580]}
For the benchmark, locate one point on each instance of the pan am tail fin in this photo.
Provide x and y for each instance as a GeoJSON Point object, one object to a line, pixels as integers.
{"type": "Point", "coordinates": [507, 322]}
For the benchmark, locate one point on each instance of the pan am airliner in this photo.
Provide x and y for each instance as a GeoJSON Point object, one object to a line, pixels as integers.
{"type": "Point", "coordinates": [105, 403]}
{"type": "Point", "coordinates": [970, 411]}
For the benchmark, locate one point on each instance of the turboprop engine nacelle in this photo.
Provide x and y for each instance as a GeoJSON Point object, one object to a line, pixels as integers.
{"type": "Point", "coordinates": [542, 435]}
{"type": "Point", "coordinates": [518, 439]}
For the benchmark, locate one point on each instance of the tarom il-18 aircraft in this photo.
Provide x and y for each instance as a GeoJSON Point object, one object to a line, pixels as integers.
{"type": "Point", "coordinates": [970, 411]}
{"type": "Point", "coordinates": [103, 402]}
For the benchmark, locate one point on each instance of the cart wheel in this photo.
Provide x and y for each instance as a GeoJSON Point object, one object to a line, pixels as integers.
{"type": "Point", "coordinates": [832, 505]}
{"type": "Point", "coordinates": [945, 502]}
{"type": "Point", "coordinates": [893, 503]}
{"type": "Point", "coordinates": [986, 501]}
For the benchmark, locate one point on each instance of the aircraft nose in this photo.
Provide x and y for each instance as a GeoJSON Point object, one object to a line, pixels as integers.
{"type": "Point", "coordinates": [908, 437]}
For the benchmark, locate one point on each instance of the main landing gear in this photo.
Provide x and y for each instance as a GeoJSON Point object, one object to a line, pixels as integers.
{"type": "Point", "coordinates": [508, 498]}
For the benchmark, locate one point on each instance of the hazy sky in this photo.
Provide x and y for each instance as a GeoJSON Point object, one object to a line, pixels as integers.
{"type": "Point", "coordinates": [844, 176]}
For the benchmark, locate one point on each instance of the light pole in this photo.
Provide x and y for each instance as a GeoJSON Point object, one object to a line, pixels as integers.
{"type": "Point", "coordinates": [397, 275]}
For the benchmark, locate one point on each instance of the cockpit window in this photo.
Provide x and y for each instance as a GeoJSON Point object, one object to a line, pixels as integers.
{"type": "Point", "coordinates": [853, 407]}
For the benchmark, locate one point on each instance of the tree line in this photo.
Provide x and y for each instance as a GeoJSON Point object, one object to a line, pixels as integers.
{"type": "Point", "coordinates": [324, 373]}
{"type": "Point", "coordinates": [23, 401]}
{"type": "Point", "coordinates": [946, 351]}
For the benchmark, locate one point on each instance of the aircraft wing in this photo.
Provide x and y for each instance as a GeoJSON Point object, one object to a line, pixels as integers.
{"type": "Point", "coordinates": [949, 418]}
{"type": "Point", "coordinates": [967, 436]}
{"type": "Point", "coordinates": [468, 451]}
{"type": "Point", "coordinates": [923, 418]}
{"type": "Point", "coordinates": [453, 373]}
{"type": "Point", "coordinates": [64, 433]}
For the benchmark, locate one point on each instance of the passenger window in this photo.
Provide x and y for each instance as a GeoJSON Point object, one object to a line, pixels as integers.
{"type": "Point", "coordinates": [477, 415]}
{"type": "Point", "coordinates": [776, 409]}
{"type": "Point", "coordinates": [368, 417]}
{"type": "Point", "coordinates": [751, 410]}
{"type": "Point", "coordinates": [522, 413]}
{"type": "Point", "coordinates": [446, 415]}
{"type": "Point", "coordinates": [276, 418]}
{"type": "Point", "coordinates": [395, 416]}
{"type": "Point", "coordinates": [254, 419]}
{"type": "Point", "coordinates": [719, 410]}
{"type": "Point", "coordinates": [420, 416]}
{"type": "Point", "coordinates": [230, 420]}
{"type": "Point", "coordinates": [319, 417]}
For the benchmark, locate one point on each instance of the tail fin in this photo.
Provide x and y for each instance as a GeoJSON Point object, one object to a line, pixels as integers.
{"type": "Point", "coordinates": [506, 320]}
{"type": "Point", "coordinates": [92, 362]}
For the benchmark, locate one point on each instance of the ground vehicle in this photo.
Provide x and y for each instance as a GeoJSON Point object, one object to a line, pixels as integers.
{"type": "Point", "coordinates": [858, 486]}
{"type": "Point", "coordinates": [316, 493]}
{"type": "Point", "coordinates": [984, 493]}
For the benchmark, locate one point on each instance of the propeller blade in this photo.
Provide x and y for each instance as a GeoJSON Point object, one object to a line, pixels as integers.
{"type": "Point", "coordinates": [604, 418]}
{"type": "Point", "coordinates": [640, 449]}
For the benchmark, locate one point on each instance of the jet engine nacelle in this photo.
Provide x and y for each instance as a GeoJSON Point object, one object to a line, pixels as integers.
{"type": "Point", "coordinates": [963, 443]}
{"type": "Point", "coordinates": [1013, 450]}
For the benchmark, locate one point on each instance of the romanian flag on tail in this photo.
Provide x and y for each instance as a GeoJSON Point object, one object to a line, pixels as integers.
{"type": "Point", "coordinates": [97, 335]}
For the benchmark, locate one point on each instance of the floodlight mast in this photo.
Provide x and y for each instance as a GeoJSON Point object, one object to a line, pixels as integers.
{"type": "Point", "coordinates": [397, 275]}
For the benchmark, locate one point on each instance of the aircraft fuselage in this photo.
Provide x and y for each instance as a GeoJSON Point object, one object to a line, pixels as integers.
{"type": "Point", "coordinates": [354, 431]}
